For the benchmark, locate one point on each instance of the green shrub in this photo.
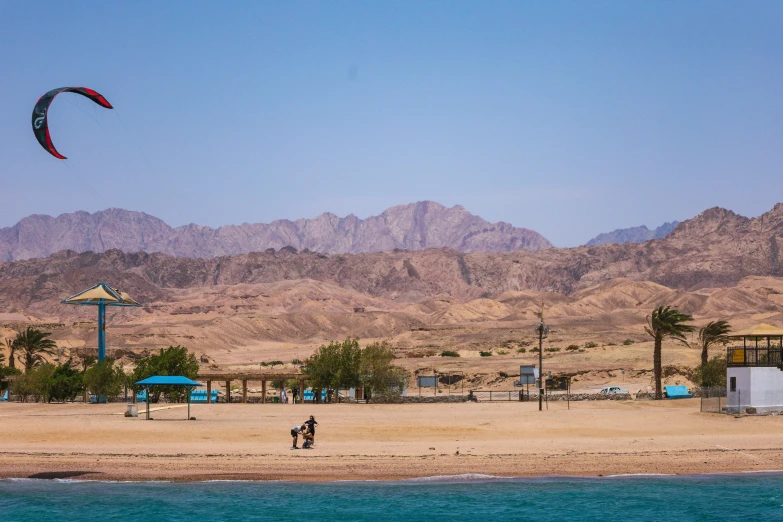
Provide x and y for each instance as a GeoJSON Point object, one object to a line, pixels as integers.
{"type": "Point", "coordinates": [105, 378]}
{"type": "Point", "coordinates": [628, 342]}
{"type": "Point", "coordinates": [174, 360]}
{"type": "Point", "coordinates": [345, 364]}
{"type": "Point", "coordinates": [485, 354]}
{"type": "Point", "coordinates": [713, 373]}
{"type": "Point", "coordinates": [297, 362]}
{"type": "Point", "coordinates": [572, 347]}
{"type": "Point", "coordinates": [5, 371]}
{"type": "Point", "coordinates": [502, 352]}
{"type": "Point", "coordinates": [534, 350]}
{"type": "Point", "coordinates": [590, 344]}
{"type": "Point", "coordinates": [66, 383]}
{"type": "Point", "coordinates": [522, 350]}
{"type": "Point", "coordinates": [34, 384]}
{"type": "Point", "coordinates": [553, 349]}
{"type": "Point", "coordinates": [449, 353]}
{"type": "Point", "coordinates": [272, 363]}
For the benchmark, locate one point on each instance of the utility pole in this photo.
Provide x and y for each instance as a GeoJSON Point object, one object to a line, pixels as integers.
{"type": "Point", "coordinates": [542, 330]}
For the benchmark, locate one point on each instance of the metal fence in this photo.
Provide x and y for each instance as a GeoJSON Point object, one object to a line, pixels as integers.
{"type": "Point", "coordinates": [713, 400]}
{"type": "Point", "coordinates": [498, 395]}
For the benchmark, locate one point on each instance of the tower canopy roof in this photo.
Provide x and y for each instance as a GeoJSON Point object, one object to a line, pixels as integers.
{"type": "Point", "coordinates": [102, 294]}
{"type": "Point", "coordinates": [760, 330]}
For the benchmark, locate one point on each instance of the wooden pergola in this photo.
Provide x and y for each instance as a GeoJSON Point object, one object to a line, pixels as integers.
{"type": "Point", "coordinates": [249, 376]}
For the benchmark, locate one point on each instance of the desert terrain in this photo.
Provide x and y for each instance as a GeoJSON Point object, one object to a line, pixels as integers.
{"type": "Point", "coordinates": [244, 311]}
{"type": "Point", "coordinates": [239, 327]}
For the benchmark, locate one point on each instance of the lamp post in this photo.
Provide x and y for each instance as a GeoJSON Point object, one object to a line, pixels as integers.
{"type": "Point", "coordinates": [542, 330]}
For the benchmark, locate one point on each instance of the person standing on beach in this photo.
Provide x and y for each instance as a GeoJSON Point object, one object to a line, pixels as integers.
{"type": "Point", "coordinates": [283, 398]}
{"type": "Point", "coordinates": [295, 431]}
{"type": "Point", "coordinates": [311, 424]}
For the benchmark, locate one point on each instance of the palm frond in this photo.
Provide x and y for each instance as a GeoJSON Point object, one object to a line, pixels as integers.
{"type": "Point", "coordinates": [668, 322]}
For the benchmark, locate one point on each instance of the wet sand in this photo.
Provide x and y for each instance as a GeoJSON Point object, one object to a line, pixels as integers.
{"type": "Point", "coordinates": [383, 442]}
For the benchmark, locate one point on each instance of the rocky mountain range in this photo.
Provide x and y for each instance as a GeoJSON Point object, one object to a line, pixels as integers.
{"type": "Point", "coordinates": [281, 304]}
{"type": "Point", "coordinates": [633, 234]}
{"type": "Point", "coordinates": [415, 226]}
{"type": "Point", "coordinates": [715, 249]}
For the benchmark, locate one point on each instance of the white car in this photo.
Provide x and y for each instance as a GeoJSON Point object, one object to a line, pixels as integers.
{"type": "Point", "coordinates": [613, 390]}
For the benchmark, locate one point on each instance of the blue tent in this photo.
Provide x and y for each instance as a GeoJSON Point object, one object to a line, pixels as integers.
{"type": "Point", "coordinates": [167, 380]}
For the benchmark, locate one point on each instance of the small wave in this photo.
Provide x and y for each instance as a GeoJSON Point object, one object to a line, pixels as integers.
{"type": "Point", "coordinates": [465, 477]}
{"type": "Point", "coordinates": [83, 481]}
{"type": "Point", "coordinates": [248, 481]}
{"type": "Point", "coordinates": [624, 475]}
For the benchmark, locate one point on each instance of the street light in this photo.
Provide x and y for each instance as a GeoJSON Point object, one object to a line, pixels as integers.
{"type": "Point", "coordinates": [542, 330]}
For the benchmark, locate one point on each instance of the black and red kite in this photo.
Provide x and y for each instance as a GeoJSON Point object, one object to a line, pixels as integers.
{"type": "Point", "coordinates": [41, 110]}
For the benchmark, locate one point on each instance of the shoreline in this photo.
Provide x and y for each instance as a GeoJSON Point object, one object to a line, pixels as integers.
{"type": "Point", "coordinates": [468, 478]}
{"type": "Point", "coordinates": [387, 469]}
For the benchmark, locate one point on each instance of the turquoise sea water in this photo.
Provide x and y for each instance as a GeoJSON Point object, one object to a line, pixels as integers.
{"type": "Point", "coordinates": [681, 499]}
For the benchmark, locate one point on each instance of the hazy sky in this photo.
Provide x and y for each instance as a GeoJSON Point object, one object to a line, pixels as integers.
{"type": "Point", "coordinates": [570, 118]}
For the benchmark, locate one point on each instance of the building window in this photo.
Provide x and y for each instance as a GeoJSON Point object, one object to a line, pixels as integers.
{"type": "Point", "coordinates": [733, 384]}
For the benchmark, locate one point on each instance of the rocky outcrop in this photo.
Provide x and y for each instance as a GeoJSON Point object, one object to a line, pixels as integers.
{"type": "Point", "coordinates": [633, 234]}
{"type": "Point", "coordinates": [416, 226]}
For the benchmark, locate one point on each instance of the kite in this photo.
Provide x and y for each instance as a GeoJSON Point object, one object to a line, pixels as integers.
{"type": "Point", "coordinates": [41, 110]}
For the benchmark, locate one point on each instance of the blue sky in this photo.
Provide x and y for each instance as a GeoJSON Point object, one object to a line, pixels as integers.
{"type": "Point", "coordinates": [570, 118]}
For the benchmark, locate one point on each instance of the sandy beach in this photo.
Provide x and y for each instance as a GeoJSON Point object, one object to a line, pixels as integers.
{"type": "Point", "coordinates": [383, 442]}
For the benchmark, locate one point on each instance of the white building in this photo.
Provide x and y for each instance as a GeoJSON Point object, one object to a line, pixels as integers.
{"type": "Point", "coordinates": [755, 370]}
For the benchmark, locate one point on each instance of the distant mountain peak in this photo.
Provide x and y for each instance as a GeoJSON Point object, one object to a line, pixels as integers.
{"type": "Point", "coordinates": [414, 226]}
{"type": "Point", "coordinates": [638, 234]}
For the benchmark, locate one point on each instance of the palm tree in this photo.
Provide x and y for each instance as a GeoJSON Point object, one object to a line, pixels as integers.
{"type": "Point", "coordinates": [715, 332]}
{"type": "Point", "coordinates": [663, 323]}
{"type": "Point", "coordinates": [33, 344]}
{"type": "Point", "coordinates": [11, 353]}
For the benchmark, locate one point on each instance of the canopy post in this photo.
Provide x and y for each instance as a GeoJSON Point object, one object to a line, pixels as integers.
{"type": "Point", "coordinates": [228, 391]}
{"type": "Point", "coordinates": [244, 391]}
{"type": "Point", "coordinates": [301, 391]}
{"type": "Point", "coordinates": [101, 330]}
{"type": "Point", "coordinates": [147, 393]}
{"type": "Point", "coordinates": [209, 391]}
{"type": "Point", "coordinates": [263, 392]}
{"type": "Point", "coordinates": [187, 390]}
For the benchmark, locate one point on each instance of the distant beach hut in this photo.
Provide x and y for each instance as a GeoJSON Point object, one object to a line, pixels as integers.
{"type": "Point", "coordinates": [101, 295]}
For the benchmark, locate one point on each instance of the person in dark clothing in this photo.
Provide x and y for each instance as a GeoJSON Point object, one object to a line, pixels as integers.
{"type": "Point", "coordinates": [311, 424]}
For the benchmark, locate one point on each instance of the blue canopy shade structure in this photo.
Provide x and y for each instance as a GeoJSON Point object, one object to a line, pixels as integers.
{"type": "Point", "coordinates": [101, 295]}
{"type": "Point", "coordinates": [167, 380]}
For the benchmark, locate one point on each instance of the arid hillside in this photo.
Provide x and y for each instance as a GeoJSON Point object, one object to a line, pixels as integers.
{"type": "Point", "coordinates": [243, 310]}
